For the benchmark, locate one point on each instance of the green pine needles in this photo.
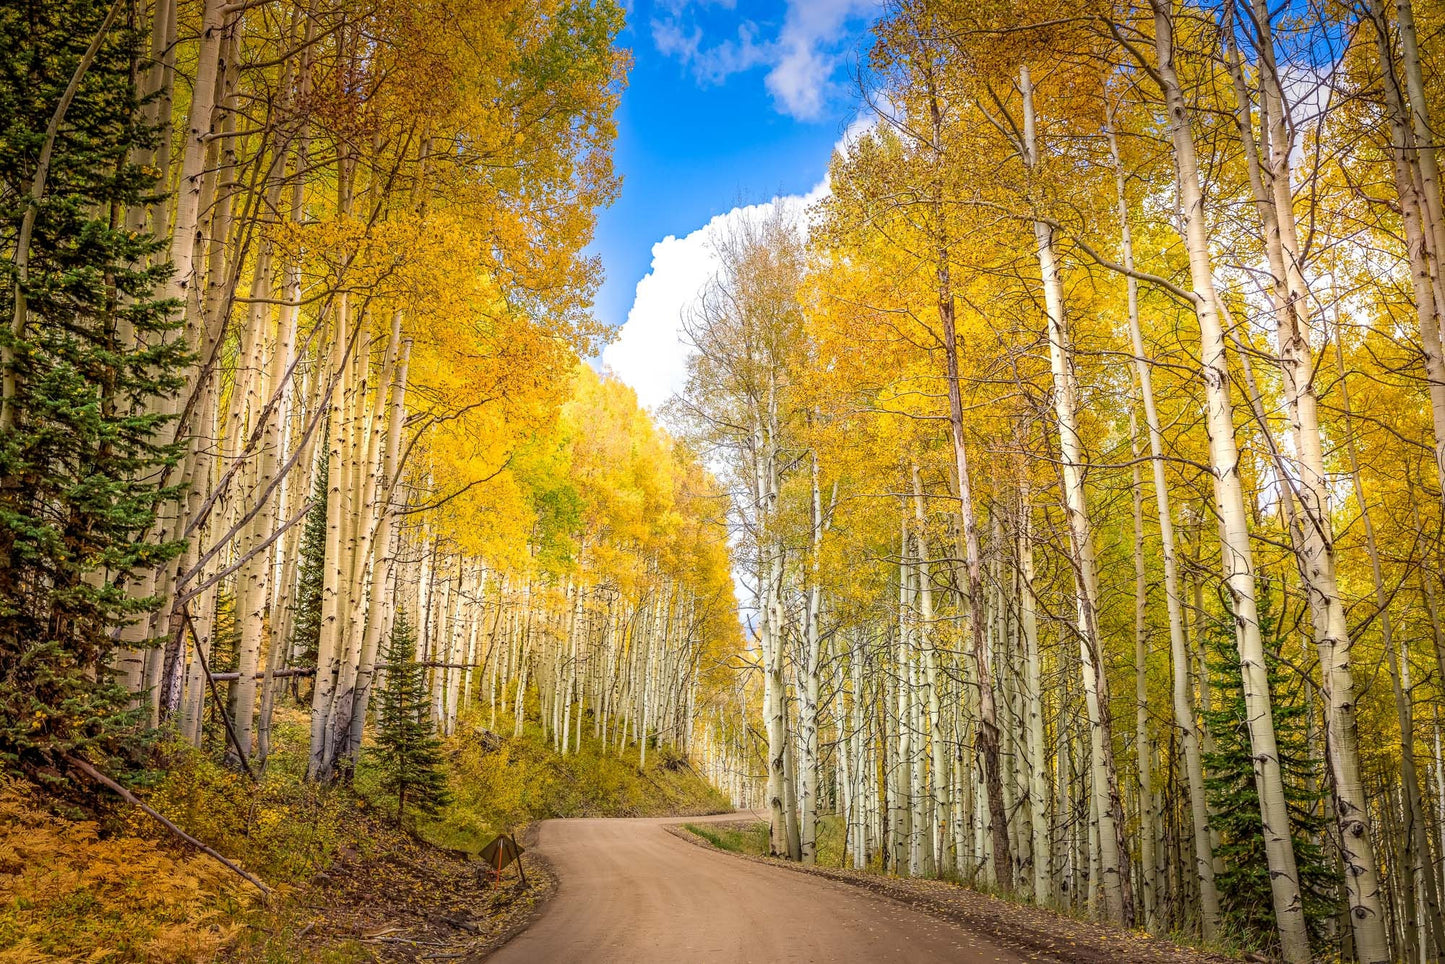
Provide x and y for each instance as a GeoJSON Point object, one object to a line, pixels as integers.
{"type": "Point", "coordinates": [1234, 797]}
{"type": "Point", "coordinates": [408, 753]}
{"type": "Point", "coordinates": [89, 355]}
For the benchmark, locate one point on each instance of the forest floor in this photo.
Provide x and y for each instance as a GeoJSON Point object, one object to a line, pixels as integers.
{"type": "Point", "coordinates": [409, 901]}
{"type": "Point", "coordinates": [104, 883]}
{"type": "Point", "coordinates": [1034, 933]}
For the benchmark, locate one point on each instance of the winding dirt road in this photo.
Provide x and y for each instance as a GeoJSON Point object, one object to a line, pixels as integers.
{"type": "Point", "coordinates": [630, 891]}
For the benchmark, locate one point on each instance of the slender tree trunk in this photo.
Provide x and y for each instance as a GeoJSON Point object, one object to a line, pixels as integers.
{"type": "Point", "coordinates": [1113, 839]}
{"type": "Point", "coordinates": [1183, 691]}
{"type": "Point", "coordinates": [1038, 760]}
{"type": "Point", "coordinates": [1237, 553]}
{"type": "Point", "coordinates": [808, 711]}
{"type": "Point", "coordinates": [1269, 168]}
{"type": "Point", "coordinates": [987, 738]}
{"type": "Point", "coordinates": [1143, 745]}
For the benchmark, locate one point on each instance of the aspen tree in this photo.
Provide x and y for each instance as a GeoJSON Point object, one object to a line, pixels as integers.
{"type": "Point", "coordinates": [1038, 793]}
{"type": "Point", "coordinates": [1238, 557]}
{"type": "Point", "coordinates": [937, 749]}
{"type": "Point", "coordinates": [1113, 844]}
{"type": "Point", "coordinates": [1143, 744]}
{"type": "Point", "coordinates": [808, 710]}
{"type": "Point", "coordinates": [1184, 718]}
{"type": "Point", "coordinates": [988, 732]}
{"type": "Point", "coordinates": [1268, 156]}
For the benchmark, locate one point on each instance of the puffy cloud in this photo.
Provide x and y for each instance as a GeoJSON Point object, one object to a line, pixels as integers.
{"type": "Point", "coordinates": [803, 58]}
{"type": "Point", "coordinates": [650, 353]}
{"type": "Point", "coordinates": [808, 53]}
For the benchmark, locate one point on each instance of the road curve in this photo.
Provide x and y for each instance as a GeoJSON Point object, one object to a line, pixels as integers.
{"type": "Point", "coordinates": [629, 891]}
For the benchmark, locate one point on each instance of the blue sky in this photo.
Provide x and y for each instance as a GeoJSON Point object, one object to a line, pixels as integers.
{"type": "Point", "coordinates": [727, 104]}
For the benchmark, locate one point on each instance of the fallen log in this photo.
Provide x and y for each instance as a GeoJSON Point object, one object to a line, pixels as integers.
{"type": "Point", "coordinates": [85, 767]}
{"type": "Point", "coordinates": [231, 677]}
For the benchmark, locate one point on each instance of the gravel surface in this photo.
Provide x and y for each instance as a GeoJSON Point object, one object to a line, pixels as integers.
{"type": "Point", "coordinates": [1032, 933]}
{"type": "Point", "coordinates": [629, 890]}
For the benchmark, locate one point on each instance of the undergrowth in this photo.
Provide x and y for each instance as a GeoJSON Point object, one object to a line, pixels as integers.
{"type": "Point", "coordinates": [747, 839]}
{"type": "Point", "coordinates": [113, 886]}
{"type": "Point", "coordinates": [500, 784]}
{"type": "Point", "coordinates": [66, 891]}
{"type": "Point", "coordinates": [752, 838]}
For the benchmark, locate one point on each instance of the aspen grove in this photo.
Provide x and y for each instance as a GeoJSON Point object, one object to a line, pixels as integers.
{"type": "Point", "coordinates": [1055, 504]}
{"type": "Point", "coordinates": [1084, 448]}
{"type": "Point", "coordinates": [349, 272]}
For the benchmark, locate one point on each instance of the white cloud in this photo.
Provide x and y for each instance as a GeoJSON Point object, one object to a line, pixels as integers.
{"type": "Point", "coordinates": [649, 353]}
{"type": "Point", "coordinates": [804, 57]}
{"type": "Point", "coordinates": [802, 76]}
{"type": "Point", "coordinates": [671, 40]}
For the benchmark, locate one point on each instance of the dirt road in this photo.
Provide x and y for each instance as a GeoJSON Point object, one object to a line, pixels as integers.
{"type": "Point", "coordinates": [632, 892]}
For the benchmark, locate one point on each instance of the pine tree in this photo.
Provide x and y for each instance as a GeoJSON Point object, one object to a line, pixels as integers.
{"type": "Point", "coordinates": [1234, 798]}
{"type": "Point", "coordinates": [88, 351]}
{"type": "Point", "coordinates": [310, 574]}
{"type": "Point", "coordinates": [408, 751]}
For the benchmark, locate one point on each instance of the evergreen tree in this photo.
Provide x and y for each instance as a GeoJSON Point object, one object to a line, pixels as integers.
{"type": "Point", "coordinates": [311, 573]}
{"type": "Point", "coordinates": [408, 751]}
{"type": "Point", "coordinates": [88, 351]}
{"type": "Point", "coordinates": [1234, 797]}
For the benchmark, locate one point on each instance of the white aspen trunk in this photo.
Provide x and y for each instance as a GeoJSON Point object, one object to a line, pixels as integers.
{"type": "Point", "coordinates": [863, 772]}
{"type": "Point", "coordinates": [1183, 703]}
{"type": "Point", "coordinates": [646, 693]}
{"type": "Point", "coordinates": [937, 749]}
{"type": "Point", "coordinates": [1063, 847]}
{"type": "Point", "coordinates": [444, 601]}
{"type": "Point", "coordinates": [204, 326]}
{"type": "Point", "coordinates": [1421, 243]}
{"type": "Point", "coordinates": [790, 784]}
{"type": "Point", "coordinates": [185, 236]}
{"type": "Point", "coordinates": [477, 612]}
{"type": "Point", "coordinates": [770, 625]}
{"type": "Point", "coordinates": [130, 660]}
{"type": "Point", "coordinates": [251, 579]}
{"type": "Point", "coordinates": [1237, 554]}
{"type": "Point", "coordinates": [918, 824]}
{"type": "Point", "coordinates": [194, 694]}
{"type": "Point", "coordinates": [358, 492]}
{"type": "Point", "coordinates": [1143, 745]}
{"type": "Point", "coordinates": [808, 711]}
{"type": "Point", "coordinates": [905, 853]}
{"type": "Point", "coordinates": [277, 432]}
{"type": "Point", "coordinates": [846, 770]}
{"type": "Point", "coordinates": [1313, 531]}
{"type": "Point", "coordinates": [519, 708]}
{"type": "Point", "coordinates": [893, 840]}
{"type": "Point", "coordinates": [1038, 761]}
{"type": "Point", "coordinates": [456, 645]}
{"type": "Point", "coordinates": [330, 649]}
{"type": "Point", "coordinates": [381, 609]}
{"type": "Point", "coordinates": [1113, 845]}
{"type": "Point", "coordinates": [987, 737]}
{"type": "Point", "coordinates": [570, 669]}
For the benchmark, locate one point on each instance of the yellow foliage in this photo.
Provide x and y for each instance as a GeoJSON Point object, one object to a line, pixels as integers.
{"type": "Point", "coordinates": [67, 893]}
